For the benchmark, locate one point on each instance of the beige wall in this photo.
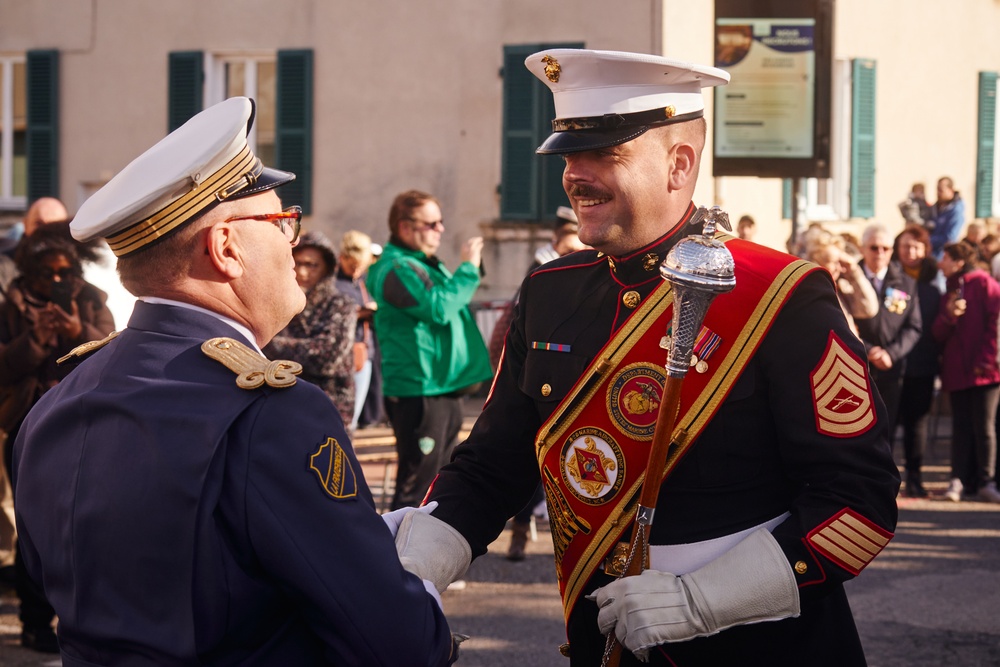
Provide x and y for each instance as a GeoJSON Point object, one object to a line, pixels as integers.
{"type": "Point", "coordinates": [408, 94]}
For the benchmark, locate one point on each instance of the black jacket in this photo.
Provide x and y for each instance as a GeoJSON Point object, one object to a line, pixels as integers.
{"type": "Point", "coordinates": [761, 454]}
{"type": "Point", "coordinates": [897, 326]}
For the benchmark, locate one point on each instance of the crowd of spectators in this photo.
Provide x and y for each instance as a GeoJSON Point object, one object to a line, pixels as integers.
{"type": "Point", "coordinates": [926, 303]}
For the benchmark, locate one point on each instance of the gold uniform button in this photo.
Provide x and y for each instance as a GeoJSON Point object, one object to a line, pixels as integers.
{"type": "Point", "coordinates": [631, 298]}
{"type": "Point", "coordinates": [546, 389]}
{"type": "Point", "coordinates": [801, 567]}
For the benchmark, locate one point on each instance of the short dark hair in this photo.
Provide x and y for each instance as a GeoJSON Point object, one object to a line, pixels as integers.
{"type": "Point", "coordinates": [403, 206]}
{"type": "Point", "coordinates": [47, 240]}
{"type": "Point", "coordinates": [919, 234]}
{"type": "Point", "coordinates": [963, 251]}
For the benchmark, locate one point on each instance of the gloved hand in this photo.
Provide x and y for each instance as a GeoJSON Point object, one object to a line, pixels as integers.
{"type": "Point", "coordinates": [432, 549]}
{"type": "Point", "coordinates": [750, 583]}
{"type": "Point", "coordinates": [395, 517]}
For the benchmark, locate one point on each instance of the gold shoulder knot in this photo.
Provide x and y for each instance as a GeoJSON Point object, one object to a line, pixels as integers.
{"type": "Point", "coordinates": [252, 370]}
{"type": "Point", "coordinates": [87, 348]}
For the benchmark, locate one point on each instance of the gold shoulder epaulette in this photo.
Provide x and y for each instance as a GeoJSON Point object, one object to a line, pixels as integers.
{"type": "Point", "coordinates": [252, 370]}
{"type": "Point", "coordinates": [87, 348]}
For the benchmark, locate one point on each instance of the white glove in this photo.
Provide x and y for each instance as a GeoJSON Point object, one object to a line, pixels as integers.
{"type": "Point", "coordinates": [395, 517]}
{"type": "Point", "coordinates": [750, 583]}
{"type": "Point", "coordinates": [431, 549]}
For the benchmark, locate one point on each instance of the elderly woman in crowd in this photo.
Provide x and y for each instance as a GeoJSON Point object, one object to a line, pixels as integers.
{"type": "Point", "coordinates": [913, 252]}
{"type": "Point", "coordinates": [858, 299]}
{"type": "Point", "coordinates": [352, 264]}
{"type": "Point", "coordinates": [321, 337]}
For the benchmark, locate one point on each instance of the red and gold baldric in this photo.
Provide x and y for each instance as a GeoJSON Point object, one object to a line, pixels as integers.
{"type": "Point", "coordinates": [593, 450]}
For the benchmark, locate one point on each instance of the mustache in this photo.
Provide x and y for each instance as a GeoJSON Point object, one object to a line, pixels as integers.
{"type": "Point", "coordinates": [587, 192]}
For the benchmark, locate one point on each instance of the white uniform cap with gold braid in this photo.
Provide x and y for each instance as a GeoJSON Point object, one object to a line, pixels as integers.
{"type": "Point", "coordinates": [205, 161]}
{"type": "Point", "coordinates": [605, 98]}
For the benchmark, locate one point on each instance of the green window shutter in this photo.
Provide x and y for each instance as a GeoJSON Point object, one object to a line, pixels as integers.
{"type": "Point", "coordinates": [863, 138]}
{"type": "Point", "coordinates": [786, 198]}
{"type": "Point", "coordinates": [294, 125]}
{"type": "Point", "coordinates": [185, 87]}
{"type": "Point", "coordinates": [553, 195]}
{"type": "Point", "coordinates": [531, 186]}
{"type": "Point", "coordinates": [986, 144]}
{"type": "Point", "coordinates": [42, 136]}
{"type": "Point", "coordinates": [519, 192]}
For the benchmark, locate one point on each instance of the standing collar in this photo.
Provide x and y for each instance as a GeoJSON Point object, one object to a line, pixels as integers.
{"type": "Point", "coordinates": [639, 266]}
{"type": "Point", "coordinates": [222, 318]}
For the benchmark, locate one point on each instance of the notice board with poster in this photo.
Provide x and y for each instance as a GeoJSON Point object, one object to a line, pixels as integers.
{"type": "Point", "coordinates": [773, 119]}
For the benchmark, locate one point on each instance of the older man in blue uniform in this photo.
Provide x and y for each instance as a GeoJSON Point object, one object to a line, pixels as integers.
{"type": "Point", "coordinates": [787, 488]}
{"type": "Point", "coordinates": [182, 499]}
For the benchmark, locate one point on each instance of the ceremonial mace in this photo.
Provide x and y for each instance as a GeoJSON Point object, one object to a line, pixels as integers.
{"type": "Point", "coordinates": [698, 268]}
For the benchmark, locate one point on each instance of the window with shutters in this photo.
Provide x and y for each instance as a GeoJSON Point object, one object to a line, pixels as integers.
{"type": "Point", "coordinates": [281, 85]}
{"type": "Point", "coordinates": [250, 75]}
{"type": "Point", "coordinates": [531, 185]}
{"type": "Point", "coordinates": [13, 133]}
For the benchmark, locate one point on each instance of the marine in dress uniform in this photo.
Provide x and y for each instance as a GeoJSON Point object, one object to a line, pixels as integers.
{"type": "Point", "coordinates": [182, 499]}
{"type": "Point", "coordinates": [788, 487]}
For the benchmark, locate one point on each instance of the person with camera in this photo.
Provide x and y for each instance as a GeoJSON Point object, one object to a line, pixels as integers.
{"type": "Point", "coordinates": [50, 309]}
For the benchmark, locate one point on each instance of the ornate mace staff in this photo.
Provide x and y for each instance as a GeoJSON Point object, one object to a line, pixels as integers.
{"type": "Point", "coordinates": [699, 267]}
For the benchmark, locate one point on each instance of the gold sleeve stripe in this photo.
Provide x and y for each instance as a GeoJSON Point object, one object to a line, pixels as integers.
{"type": "Point", "coordinates": [862, 528]}
{"type": "Point", "coordinates": [835, 553]}
{"type": "Point", "coordinates": [850, 541]}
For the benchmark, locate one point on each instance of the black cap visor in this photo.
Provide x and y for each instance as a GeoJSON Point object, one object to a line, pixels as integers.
{"type": "Point", "coordinates": [604, 131]}
{"type": "Point", "coordinates": [560, 143]}
{"type": "Point", "coordinates": [269, 179]}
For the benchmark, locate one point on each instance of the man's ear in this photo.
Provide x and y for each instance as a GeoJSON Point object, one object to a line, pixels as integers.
{"type": "Point", "coordinates": [683, 160]}
{"type": "Point", "coordinates": [223, 250]}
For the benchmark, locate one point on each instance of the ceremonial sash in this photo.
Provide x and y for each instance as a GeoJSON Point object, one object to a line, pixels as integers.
{"type": "Point", "coordinates": [593, 450]}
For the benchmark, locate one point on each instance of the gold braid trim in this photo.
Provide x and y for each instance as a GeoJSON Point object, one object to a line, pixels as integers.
{"type": "Point", "coordinates": [252, 370]}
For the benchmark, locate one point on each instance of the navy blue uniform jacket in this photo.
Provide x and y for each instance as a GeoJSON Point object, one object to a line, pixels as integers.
{"type": "Point", "coordinates": [760, 456]}
{"type": "Point", "coordinates": [176, 519]}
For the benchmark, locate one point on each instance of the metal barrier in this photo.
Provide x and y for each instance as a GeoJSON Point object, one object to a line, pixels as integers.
{"type": "Point", "coordinates": [487, 313]}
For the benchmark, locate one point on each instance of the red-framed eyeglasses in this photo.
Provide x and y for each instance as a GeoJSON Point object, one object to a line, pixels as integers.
{"type": "Point", "coordinates": [289, 221]}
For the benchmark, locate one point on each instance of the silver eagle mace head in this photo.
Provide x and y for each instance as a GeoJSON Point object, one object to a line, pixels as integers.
{"type": "Point", "coordinates": [699, 267]}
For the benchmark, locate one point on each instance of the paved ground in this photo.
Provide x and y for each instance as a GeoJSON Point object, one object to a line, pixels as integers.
{"type": "Point", "coordinates": [931, 598]}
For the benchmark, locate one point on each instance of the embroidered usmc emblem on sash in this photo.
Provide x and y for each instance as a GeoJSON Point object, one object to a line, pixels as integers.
{"type": "Point", "coordinates": [333, 467]}
{"type": "Point", "coordinates": [634, 396]}
{"type": "Point", "coordinates": [593, 467]}
{"type": "Point", "coordinates": [842, 397]}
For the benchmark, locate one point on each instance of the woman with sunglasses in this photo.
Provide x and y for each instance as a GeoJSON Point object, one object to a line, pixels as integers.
{"type": "Point", "coordinates": [49, 310]}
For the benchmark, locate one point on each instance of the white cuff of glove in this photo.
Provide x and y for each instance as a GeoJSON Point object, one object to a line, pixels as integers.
{"type": "Point", "coordinates": [394, 518]}
{"type": "Point", "coordinates": [750, 583]}
{"type": "Point", "coordinates": [432, 550]}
